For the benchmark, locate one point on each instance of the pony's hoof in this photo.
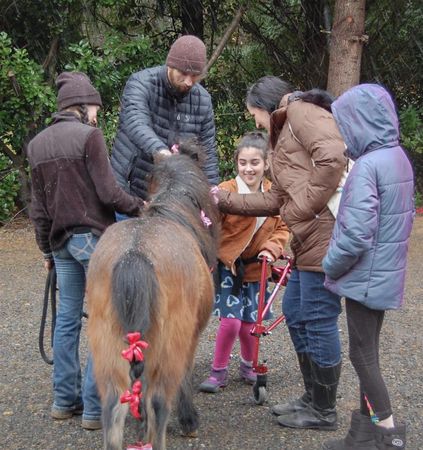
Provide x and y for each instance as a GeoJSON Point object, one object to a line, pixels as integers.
{"type": "Point", "coordinates": [190, 434]}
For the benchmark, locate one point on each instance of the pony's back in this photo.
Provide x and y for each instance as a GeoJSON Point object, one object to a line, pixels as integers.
{"type": "Point", "coordinates": [152, 275]}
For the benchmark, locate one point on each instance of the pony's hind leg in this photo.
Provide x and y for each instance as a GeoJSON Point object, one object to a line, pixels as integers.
{"type": "Point", "coordinates": [187, 414]}
{"type": "Point", "coordinates": [113, 419]}
{"type": "Point", "coordinates": [158, 411]}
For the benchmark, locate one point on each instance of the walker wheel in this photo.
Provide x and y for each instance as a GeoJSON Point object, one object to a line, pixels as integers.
{"type": "Point", "coordinates": [260, 394]}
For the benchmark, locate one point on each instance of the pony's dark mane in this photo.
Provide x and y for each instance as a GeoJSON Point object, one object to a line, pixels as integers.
{"type": "Point", "coordinates": [181, 192]}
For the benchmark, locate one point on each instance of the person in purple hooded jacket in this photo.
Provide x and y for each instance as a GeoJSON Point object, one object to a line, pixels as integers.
{"type": "Point", "coordinates": [367, 255]}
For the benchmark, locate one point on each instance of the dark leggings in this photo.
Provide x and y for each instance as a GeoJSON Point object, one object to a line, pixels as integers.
{"type": "Point", "coordinates": [364, 325]}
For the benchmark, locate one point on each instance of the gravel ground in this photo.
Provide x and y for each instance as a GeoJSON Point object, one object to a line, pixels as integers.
{"type": "Point", "coordinates": [229, 420]}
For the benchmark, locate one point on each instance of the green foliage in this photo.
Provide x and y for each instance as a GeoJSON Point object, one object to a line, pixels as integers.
{"type": "Point", "coordinates": [109, 65]}
{"type": "Point", "coordinates": [411, 121]}
{"type": "Point", "coordinates": [111, 39]}
{"type": "Point", "coordinates": [231, 125]}
{"type": "Point", "coordinates": [26, 99]}
{"type": "Point", "coordinates": [9, 188]}
{"type": "Point", "coordinates": [412, 129]}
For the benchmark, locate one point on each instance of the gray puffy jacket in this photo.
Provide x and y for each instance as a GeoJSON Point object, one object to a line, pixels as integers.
{"type": "Point", "coordinates": [155, 116]}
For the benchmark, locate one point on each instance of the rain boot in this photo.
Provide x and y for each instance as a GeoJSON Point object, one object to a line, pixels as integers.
{"type": "Point", "coordinates": [217, 379]}
{"type": "Point", "coordinates": [320, 413]}
{"type": "Point", "coordinates": [302, 402]}
{"type": "Point", "coordinates": [361, 435]}
{"type": "Point", "coordinates": [390, 438]}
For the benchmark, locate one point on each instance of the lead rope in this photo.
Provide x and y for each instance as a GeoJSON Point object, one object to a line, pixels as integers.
{"type": "Point", "coordinates": [49, 293]}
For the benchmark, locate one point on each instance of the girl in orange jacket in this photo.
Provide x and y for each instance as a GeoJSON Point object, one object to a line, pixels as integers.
{"type": "Point", "coordinates": [243, 240]}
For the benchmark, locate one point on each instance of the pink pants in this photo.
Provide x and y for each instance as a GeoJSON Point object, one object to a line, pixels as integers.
{"type": "Point", "coordinates": [228, 331]}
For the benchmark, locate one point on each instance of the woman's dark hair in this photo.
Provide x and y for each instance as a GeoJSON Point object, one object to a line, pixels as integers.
{"type": "Point", "coordinates": [318, 97]}
{"type": "Point", "coordinates": [255, 139]}
{"type": "Point", "coordinates": [267, 92]}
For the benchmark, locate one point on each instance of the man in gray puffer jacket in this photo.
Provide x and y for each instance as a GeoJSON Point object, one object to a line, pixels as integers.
{"type": "Point", "coordinates": [160, 107]}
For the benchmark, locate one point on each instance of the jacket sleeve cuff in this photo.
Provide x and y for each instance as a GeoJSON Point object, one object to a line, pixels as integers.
{"type": "Point", "coordinates": [48, 256]}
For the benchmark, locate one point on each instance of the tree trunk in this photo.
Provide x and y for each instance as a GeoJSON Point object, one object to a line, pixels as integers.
{"type": "Point", "coordinates": [347, 38]}
{"type": "Point", "coordinates": [192, 17]}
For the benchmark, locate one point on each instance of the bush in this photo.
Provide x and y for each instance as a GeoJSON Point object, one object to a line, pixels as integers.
{"type": "Point", "coordinates": [412, 129]}
{"type": "Point", "coordinates": [109, 67]}
{"type": "Point", "coordinates": [9, 188]}
{"type": "Point", "coordinates": [26, 100]}
{"type": "Point", "coordinates": [412, 140]}
{"type": "Point", "coordinates": [231, 125]}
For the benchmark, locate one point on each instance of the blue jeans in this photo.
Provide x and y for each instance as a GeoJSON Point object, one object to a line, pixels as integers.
{"type": "Point", "coordinates": [119, 217]}
{"type": "Point", "coordinates": [71, 263]}
{"type": "Point", "coordinates": [311, 313]}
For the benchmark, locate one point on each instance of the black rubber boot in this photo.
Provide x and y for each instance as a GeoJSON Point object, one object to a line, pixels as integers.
{"type": "Point", "coordinates": [361, 435]}
{"type": "Point", "coordinates": [320, 414]}
{"type": "Point", "coordinates": [390, 438]}
{"type": "Point", "coordinates": [305, 399]}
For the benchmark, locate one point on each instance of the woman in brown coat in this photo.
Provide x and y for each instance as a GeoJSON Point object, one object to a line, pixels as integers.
{"type": "Point", "coordinates": [306, 164]}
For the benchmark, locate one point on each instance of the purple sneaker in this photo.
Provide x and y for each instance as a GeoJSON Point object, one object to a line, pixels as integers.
{"type": "Point", "coordinates": [247, 373]}
{"type": "Point", "coordinates": [217, 379]}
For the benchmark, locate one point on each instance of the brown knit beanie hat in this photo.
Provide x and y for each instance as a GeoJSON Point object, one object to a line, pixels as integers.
{"type": "Point", "coordinates": [75, 88]}
{"type": "Point", "coordinates": [187, 54]}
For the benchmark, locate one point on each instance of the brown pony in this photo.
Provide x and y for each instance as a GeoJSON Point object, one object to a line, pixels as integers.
{"type": "Point", "coordinates": [153, 275]}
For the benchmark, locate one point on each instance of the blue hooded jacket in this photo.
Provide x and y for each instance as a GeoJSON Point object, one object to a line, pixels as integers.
{"type": "Point", "coordinates": [367, 254]}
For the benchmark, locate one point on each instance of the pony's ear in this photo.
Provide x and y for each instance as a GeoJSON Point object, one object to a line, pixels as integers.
{"type": "Point", "coordinates": [194, 150]}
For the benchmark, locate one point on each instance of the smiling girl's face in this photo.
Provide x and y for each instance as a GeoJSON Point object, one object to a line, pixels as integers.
{"type": "Point", "coordinates": [251, 167]}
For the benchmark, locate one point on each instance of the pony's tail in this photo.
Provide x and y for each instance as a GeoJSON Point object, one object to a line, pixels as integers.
{"type": "Point", "coordinates": [134, 294]}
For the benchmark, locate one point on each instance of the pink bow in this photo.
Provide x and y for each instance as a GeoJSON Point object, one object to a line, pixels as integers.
{"type": "Point", "coordinates": [214, 191]}
{"type": "Point", "coordinates": [140, 446]}
{"type": "Point", "coordinates": [174, 149]}
{"type": "Point", "coordinates": [133, 398]}
{"type": "Point", "coordinates": [206, 221]}
{"type": "Point", "coordinates": [136, 346]}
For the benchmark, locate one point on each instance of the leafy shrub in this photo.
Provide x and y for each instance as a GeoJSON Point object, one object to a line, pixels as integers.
{"type": "Point", "coordinates": [26, 101]}
{"type": "Point", "coordinates": [9, 188]}
{"type": "Point", "coordinates": [231, 125]}
{"type": "Point", "coordinates": [412, 129]}
{"type": "Point", "coordinates": [411, 120]}
{"type": "Point", "coordinates": [109, 67]}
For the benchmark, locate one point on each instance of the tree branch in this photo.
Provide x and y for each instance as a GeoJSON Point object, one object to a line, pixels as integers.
{"type": "Point", "coordinates": [231, 28]}
{"type": "Point", "coordinates": [49, 63]}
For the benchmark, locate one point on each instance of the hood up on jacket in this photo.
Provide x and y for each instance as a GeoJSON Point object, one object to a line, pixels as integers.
{"type": "Point", "coordinates": [367, 119]}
